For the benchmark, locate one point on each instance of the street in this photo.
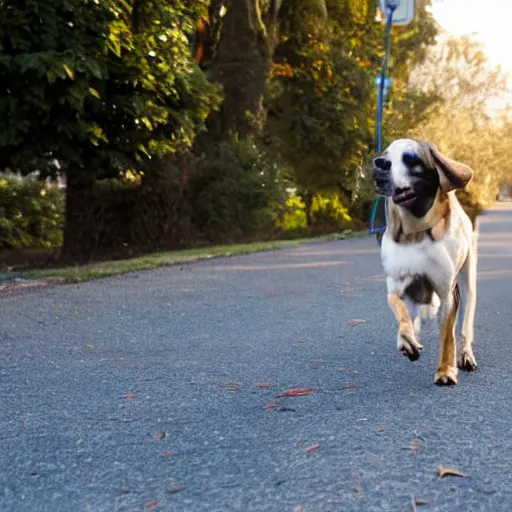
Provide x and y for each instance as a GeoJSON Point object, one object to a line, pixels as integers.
{"type": "Point", "coordinates": [159, 390]}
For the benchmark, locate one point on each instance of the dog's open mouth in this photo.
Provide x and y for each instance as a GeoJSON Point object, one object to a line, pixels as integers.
{"type": "Point", "coordinates": [405, 197]}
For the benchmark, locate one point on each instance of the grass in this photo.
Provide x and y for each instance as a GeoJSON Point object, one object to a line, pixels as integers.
{"type": "Point", "coordinates": [163, 259]}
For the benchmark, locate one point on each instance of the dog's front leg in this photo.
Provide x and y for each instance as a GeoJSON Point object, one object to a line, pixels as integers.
{"type": "Point", "coordinates": [447, 371]}
{"type": "Point", "coordinates": [467, 286]}
{"type": "Point", "coordinates": [406, 338]}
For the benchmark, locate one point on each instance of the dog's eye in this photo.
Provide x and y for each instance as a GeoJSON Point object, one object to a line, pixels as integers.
{"type": "Point", "coordinates": [411, 160]}
{"type": "Point", "coordinates": [382, 163]}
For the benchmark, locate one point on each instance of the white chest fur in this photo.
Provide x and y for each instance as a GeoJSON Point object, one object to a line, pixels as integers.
{"type": "Point", "coordinates": [438, 261]}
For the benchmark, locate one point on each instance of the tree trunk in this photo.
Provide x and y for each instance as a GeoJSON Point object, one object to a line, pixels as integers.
{"type": "Point", "coordinates": [307, 197]}
{"type": "Point", "coordinates": [241, 65]}
{"type": "Point", "coordinates": [78, 243]}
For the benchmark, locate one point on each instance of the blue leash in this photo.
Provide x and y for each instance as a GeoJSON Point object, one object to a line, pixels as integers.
{"type": "Point", "coordinates": [380, 201]}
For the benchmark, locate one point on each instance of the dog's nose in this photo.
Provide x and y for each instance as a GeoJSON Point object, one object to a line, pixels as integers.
{"type": "Point", "coordinates": [381, 163]}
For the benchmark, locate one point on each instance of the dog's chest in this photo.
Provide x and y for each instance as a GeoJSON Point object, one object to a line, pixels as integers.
{"type": "Point", "coordinates": [436, 260]}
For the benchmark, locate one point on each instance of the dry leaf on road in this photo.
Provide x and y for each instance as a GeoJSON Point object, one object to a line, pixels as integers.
{"type": "Point", "coordinates": [166, 453]}
{"type": "Point", "coordinates": [174, 490]}
{"type": "Point", "coordinates": [128, 396]}
{"type": "Point", "coordinates": [447, 471]}
{"type": "Point", "coordinates": [356, 321]}
{"type": "Point", "coordinates": [271, 405]}
{"type": "Point", "coordinates": [151, 504]}
{"type": "Point", "coordinates": [262, 385]}
{"type": "Point", "coordinates": [311, 449]}
{"type": "Point", "coordinates": [298, 392]}
{"type": "Point", "coordinates": [415, 445]}
{"type": "Point", "coordinates": [159, 436]}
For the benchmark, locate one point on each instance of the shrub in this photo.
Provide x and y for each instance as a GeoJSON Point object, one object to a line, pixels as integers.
{"type": "Point", "coordinates": [233, 192]}
{"type": "Point", "coordinates": [328, 214]}
{"type": "Point", "coordinates": [31, 215]}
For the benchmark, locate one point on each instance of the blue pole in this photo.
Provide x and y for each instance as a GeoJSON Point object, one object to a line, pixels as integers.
{"type": "Point", "coordinates": [391, 6]}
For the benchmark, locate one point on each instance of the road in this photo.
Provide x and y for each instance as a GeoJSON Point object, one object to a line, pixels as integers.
{"type": "Point", "coordinates": [141, 392]}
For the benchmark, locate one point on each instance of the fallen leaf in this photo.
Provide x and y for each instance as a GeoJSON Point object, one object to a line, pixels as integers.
{"type": "Point", "coordinates": [417, 502]}
{"type": "Point", "coordinates": [174, 490]}
{"type": "Point", "coordinates": [311, 449]}
{"type": "Point", "coordinates": [446, 471]}
{"type": "Point", "coordinates": [349, 385]}
{"type": "Point", "coordinates": [159, 436]}
{"type": "Point", "coordinates": [379, 428]}
{"type": "Point", "coordinates": [128, 396]}
{"type": "Point", "coordinates": [262, 385]}
{"type": "Point", "coordinates": [271, 405]}
{"type": "Point", "coordinates": [297, 442]}
{"type": "Point", "coordinates": [298, 392]}
{"type": "Point", "coordinates": [232, 387]}
{"type": "Point", "coordinates": [124, 491]}
{"type": "Point", "coordinates": [356, 321]}
{"type": "Point", "coordinates": [416, 445]}
{"type": "Point", "coordinates": [166, 453]}
{"type": "Point", "coordinates": [298, 508]}
{"type": "Point", "coordinates": [151, 504]}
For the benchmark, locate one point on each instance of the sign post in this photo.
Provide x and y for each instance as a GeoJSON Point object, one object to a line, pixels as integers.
{"type": "Point", "coordinates": [398, 12]}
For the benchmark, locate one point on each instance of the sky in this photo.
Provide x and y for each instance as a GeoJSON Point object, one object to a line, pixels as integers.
{"type": "Point", "coordinates": [489, 22]}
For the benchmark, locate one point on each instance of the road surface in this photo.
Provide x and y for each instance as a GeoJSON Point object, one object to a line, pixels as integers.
{"type": "Point", "coordinates": [141, 392]}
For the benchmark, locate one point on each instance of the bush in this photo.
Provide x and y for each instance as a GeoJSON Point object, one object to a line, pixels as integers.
{"type": "Point", "coordinates": [328, 214]}
{"type": "Point", "coordinates": [31, 215]}
{"type": "Point", "coordinates": [233, 192]}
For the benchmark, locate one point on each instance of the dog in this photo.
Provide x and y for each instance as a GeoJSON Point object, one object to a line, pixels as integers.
{"type": "Point", "coordinates": [428, 251]}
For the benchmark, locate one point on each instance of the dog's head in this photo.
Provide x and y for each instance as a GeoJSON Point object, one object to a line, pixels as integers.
{"type": "Point", "coordinates": [412, 172]}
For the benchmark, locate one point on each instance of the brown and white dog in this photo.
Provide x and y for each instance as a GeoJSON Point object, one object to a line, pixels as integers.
{"type": "Point", "coordinates": [428, 251]}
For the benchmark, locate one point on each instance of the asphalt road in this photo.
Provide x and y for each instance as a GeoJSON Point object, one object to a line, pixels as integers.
{"type": "Point", "coordinates": [120, 392]}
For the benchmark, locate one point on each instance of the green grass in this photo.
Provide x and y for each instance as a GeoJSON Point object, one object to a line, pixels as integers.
{"type": "Point", "coordinates": [162, 259]}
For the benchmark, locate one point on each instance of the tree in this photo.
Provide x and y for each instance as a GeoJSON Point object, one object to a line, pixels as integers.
{"type": "Point", "coordinates": [459, 72]}
{"type": "Point", "coordinates": [95, 88]}
{"type": "Point", "coordinates": [243, 35]}
{"type": "Point", "coordinates": [323, 102]}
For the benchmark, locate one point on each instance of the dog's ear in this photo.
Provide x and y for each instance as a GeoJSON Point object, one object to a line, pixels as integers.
{"type": "Point", "coordinates": [452, 174]}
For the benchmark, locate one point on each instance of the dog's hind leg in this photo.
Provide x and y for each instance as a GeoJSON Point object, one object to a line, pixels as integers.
{"type": "Point", "coordinates": [467, 286]}
{"type": "Point", "coordinates": [447, 371]}
{"type": "Point", "coordinates": [406, 337]}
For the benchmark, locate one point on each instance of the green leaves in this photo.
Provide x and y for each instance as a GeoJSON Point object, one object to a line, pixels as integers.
{"type": "Point", "coordinates": [96, 86]}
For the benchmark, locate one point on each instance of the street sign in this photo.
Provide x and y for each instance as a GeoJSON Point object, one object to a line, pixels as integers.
{"type": "Point", "coordinates": [403, 13]}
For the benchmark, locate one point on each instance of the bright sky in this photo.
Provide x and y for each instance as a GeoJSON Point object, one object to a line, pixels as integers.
{"type": "Point", "coordinates": [489, 22]}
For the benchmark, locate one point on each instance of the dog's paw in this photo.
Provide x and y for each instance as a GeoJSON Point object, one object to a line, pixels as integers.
{"type": "Point", "coordinates": [446, 376]}
{"type": "Point", "coordinates": [408, 345]}
{"type": "Point", "coordinates": [466, 361]}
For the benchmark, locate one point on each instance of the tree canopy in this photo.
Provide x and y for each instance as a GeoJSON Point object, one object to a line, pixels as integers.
{"type": "Point", "coordinates": [216, 116]}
